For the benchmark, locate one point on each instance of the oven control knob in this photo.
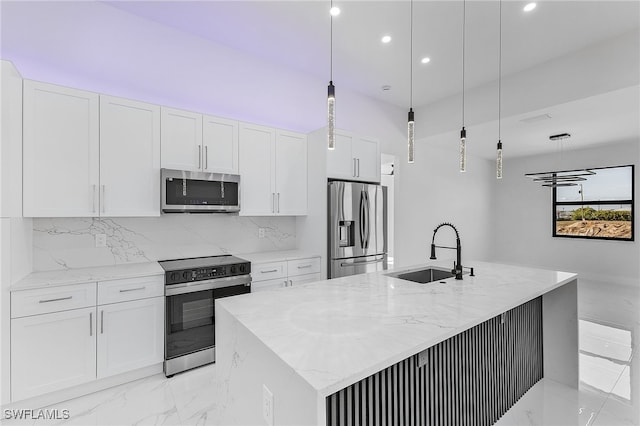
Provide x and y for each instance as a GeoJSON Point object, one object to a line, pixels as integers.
{"type": "Point", "coordinates": [175, 276]}
{"type": "Point", "coordinates": [233, 269]}
{"type": "Point", "coordinates": [242, 268]}
{"type": "Point", "coordinates": [186, 275]}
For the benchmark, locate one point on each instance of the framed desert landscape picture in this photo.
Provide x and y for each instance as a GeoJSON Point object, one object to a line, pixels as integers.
{"type": "Point", "coordinates": [599, 207]}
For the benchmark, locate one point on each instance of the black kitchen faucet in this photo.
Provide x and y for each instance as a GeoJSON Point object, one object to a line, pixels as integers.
{"type": "Point", "coordinates": [458, 248]}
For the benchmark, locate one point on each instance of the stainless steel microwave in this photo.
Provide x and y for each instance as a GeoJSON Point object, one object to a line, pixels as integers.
{"type": "Point", "coordinates": [198, 192]}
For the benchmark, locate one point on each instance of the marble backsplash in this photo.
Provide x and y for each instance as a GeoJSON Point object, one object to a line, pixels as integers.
{"type": "Point", "coordinates": [60, 243]}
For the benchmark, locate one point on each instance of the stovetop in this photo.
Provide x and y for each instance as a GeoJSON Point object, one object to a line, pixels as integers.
{"type": "Point", "coordinates": [200, 262]}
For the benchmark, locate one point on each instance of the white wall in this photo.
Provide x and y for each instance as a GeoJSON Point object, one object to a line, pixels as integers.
{"type": "Point", "coordinates": [523, 219]}
{"type": "Point", "coordinates": [432, 190]}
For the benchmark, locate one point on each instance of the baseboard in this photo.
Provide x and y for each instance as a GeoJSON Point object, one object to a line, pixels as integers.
{"type": "Point", "coordinates": [84, 389]}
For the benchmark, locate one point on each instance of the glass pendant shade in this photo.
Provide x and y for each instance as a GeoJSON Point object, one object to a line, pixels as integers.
{"type": "Point", "coordinates": [463, 150]}
{"type": "Point", "coordinates": [410, 136]}
{"type": "Point", "coordinates": [499, 161]}
{"type": "Point", "coordinates": [331, 116]}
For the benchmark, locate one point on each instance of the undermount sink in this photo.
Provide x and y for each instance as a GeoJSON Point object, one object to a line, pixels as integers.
{"type": "Point", "coordinates": [423, 276]}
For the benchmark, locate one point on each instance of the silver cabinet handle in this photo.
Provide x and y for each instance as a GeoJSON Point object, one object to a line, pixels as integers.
{"type": "Point", "coordinates": [273, 202]}
{"type": "Point", "coordinates": [354, 168]}
{"type": "Point", "coordinates": [94, 198]}
{"type": "Point", "coordinates": [132, 289]}
{"type": "Point", "coordinates": [199, 156]}
{"type": "Point", "coordinates": [290, 283]}
{"type": "Point", "coordinates": [56, 300]}
{"type": "Point", "coordinates": [90, 323]}
{"type": "Point", "coordinates": [278, 203]}
{"type": "Point", "coordinates": [304, 267]}
{"type": "Point", "coordinates": [358, 162]}
{"type": "Point", "coordinates": [206, 157]}
{"type": "Point", "coordinates": [270, 270]}
{"type": "Point", "coordinates": [102, 322]}
{"type": "Point", "coordinates": [102, 200]}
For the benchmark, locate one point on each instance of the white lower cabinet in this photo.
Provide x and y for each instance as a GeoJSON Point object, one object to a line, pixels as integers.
{"type": "Point", "coordinates": [284, 273]}
{"type": "Point", "coordinates": [52, 351]}
{"type": "Point", "coordinates": [74, 334]}
{"type": "Point", "coordinates": [130, 335]}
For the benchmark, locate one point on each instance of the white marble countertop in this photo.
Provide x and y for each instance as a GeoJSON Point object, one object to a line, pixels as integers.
{"type": "Point", "coordinates": [44, 279]}
{"type": "Point", "coordinates": [335, 332]}
{"type": "Point", "coordinates": [275, 256]}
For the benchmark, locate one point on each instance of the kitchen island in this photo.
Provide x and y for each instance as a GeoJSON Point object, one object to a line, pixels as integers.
{"type": "Point", "coordinates": [372, 347]}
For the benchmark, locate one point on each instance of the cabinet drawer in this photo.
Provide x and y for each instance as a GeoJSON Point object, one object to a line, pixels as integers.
{"type": "Point", "coordinates": [54, 299]}
{"type": "Point", "coordinates": [130, 289]}
{"type": "Point", "coordinates": [302, 279]}
{"type": "Point", "coordinates": [268, 284]}
{"type": "Point", "coordinates": [304, 266]}
{"type": "Point", "coordinates": [268, 271]}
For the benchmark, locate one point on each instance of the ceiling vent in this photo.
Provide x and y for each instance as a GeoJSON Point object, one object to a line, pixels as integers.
{"type": "Point", "coordinates": [536, 118]}
{"type": "Point", "coordinates": [559, 136]}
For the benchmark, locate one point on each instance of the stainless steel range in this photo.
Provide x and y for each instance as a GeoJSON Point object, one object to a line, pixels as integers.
{"type": "Point", "coordinates": [191, 287]}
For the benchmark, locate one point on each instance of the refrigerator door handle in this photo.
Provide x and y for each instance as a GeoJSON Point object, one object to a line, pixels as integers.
{"type": "Point", "coordinates": [362, 221]}
{"type": "Point", "coordinates": [368, 216]}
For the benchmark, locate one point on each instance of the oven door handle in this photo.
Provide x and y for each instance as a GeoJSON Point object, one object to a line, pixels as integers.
{"type": "Point", "coordinates": [193, 286]}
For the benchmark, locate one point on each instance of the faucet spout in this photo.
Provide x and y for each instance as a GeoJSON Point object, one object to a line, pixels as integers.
{"type": "Point", "coordinates": [458, 248]}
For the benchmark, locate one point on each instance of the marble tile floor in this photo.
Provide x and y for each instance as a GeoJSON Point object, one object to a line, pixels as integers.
{"type": "Point", "coordinates": [609, 393]}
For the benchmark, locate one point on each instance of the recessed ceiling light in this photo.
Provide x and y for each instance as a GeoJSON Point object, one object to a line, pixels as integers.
{"type": "Point", "coordinates": [386, 39]}
{"type": "Point", "coordinates": [425, 60]}
{"type": "Point", "coordinates": [529, 7]}
{"type": "Point", "coordinates": [334, 11]}
{"type": "Point", "coordinates": [386, 87]}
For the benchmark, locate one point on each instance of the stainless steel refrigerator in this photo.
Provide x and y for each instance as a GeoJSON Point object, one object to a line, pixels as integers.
{"type": "Point", "coordinates": [357, 228]}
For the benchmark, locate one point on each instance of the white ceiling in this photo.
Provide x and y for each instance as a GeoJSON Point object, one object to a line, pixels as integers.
{"type": "Point", "coordinates": [297, 34]}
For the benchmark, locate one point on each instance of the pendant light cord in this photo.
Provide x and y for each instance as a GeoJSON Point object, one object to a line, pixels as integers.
{"type": "Point", "coordinates": [464, 24]}
{"type": "Point", "coordinates": [411, 56]}
{"type": "Point", "coordinates": [331, 42]}
{"type": "Point", "coordinates": [500, 73]}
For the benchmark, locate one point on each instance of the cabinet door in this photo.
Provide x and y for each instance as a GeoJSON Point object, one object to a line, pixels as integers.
{"type": "Point", "coordinates": [11, 137]}
{"type": "Point", "coordinates": [366, 151]}
{"type": "Point", "coordinates": [61, 137]}
{"type": "Point", "coordinates": [291, 173]}
{"type": "Point", "coordinates": [181, 139]}
{"type": "Point", "coordinates": [340, 162]}
{"type": "Point", "coordinates": [256, 170]}
{"type": "Point", "coordinates": [301, 279]}
{"type": "Point", "coordinates": [52, 351]}
{"type": "Point", "coordinates": [130, 335]}
{"type": "Point", "coordinates": [129, 158]}
{"type": "Point", "coordinates": [220, 142]}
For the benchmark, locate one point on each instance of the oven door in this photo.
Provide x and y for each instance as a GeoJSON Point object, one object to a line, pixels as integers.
{"type": "Point", "coordinates": [190, 313]}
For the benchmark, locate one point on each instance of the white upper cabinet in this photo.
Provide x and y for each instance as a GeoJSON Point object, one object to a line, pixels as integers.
{"type": "Point", "coordinates": [89, 155]}
{"type": "Point", "coordinates": [354, 158]}
{"type": "Point", "coordinates": [196, 142]}
{"type": "Point", "coordinates": [181, 138]}
{"type": "Point", "coordinates": [129, 158]}
{"type": "Point", "coordinates": [366, 151]}
{"type": "Point", "coordinates": [256, 170]}
{"type": "Point", "coordinates": [61, 143]}
{"type": "Point", "coordinates": [340, 162]}
{"type": "Point", "coordinates": [220, 145]}
{"type": "Point", "coordinates": [273, 169]}
{"type": "Point", "coordinates": [291, 173]}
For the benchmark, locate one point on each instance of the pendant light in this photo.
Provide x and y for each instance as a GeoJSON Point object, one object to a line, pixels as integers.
{"type": "Point", "coordinates": [463, 132]}
{"type": "Point", "coordinates": [331, 94]}
{"type": "Point", "coordinates": [411, 118]}
{"type": "Point", "coordinates": [499, 146]}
